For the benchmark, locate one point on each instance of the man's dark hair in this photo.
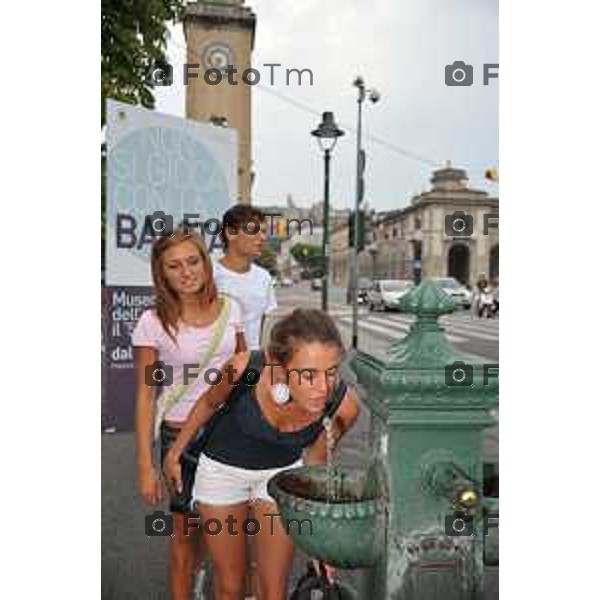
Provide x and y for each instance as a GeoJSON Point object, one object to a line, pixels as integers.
{"type": "Point", "coordinates": [237, 216]}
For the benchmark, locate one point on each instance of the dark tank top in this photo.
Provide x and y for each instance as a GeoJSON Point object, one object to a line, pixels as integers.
{"type": "Point", "coordinates": [244, 438]}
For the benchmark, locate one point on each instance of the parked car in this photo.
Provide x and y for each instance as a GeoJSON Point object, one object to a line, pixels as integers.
{"type": "Point", "coordinates": [287, 282]}
{"type": "Point", "coordinates": [316, 283]}
{"type": "Point", "coordinates": [385, 293]}
{"type": "Point", "coordinates": [459, 293]}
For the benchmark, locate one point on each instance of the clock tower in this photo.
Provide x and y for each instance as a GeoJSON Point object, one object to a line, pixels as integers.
{"type": "Point", "coordinates": [219, 33]}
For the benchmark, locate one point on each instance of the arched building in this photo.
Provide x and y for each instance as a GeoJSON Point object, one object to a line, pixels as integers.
{"type": "Point", "coordinates": [449, 231]}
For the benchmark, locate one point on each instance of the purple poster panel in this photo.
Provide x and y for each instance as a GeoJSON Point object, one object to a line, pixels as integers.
{"type": "Point", "coordinates": [122, 306]}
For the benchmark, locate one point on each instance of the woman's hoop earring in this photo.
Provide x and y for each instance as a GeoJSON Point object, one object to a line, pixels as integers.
{"type": "Point", "coordinates": [280, 393]}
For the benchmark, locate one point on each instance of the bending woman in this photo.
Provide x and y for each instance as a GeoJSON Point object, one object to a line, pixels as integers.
{"type": "Point", "coordinates": [191, 325]}
{"type": "Point", "coordinates": [273, 425]}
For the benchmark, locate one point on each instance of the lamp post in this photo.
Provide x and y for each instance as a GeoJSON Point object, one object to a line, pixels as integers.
{"type": "Point", "coordinates": [374, 96]}
{"type": "Point", "coordinates": [327, 134]}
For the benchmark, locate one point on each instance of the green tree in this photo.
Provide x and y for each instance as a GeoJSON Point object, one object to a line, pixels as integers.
{"type": "Point", "coordinates": [268, 260]}
{"type": "Point", "coordinates": [134, 35]}
{"type": "Point", "coordinates": [309, 257]}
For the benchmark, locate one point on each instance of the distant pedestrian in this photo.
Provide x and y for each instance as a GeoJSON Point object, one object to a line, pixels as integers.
{"type": "Point", "coordinates": [482, 283]}
{"type": "Point", "coordinates": [243, 236]}
{"type": "Point", "coordinates": [496, 295]}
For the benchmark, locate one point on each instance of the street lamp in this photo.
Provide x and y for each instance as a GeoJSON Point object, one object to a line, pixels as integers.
{"type": "Point", "coordinates": [374, 96]}
{"type": "Point", "coordinates": [327, 134]}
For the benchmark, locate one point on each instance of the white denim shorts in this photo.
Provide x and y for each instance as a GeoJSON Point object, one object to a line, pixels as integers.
{"type": "Point", "coordinates": [220, 484]}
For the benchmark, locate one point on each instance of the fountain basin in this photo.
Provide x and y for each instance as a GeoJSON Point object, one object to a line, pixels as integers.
{"type": "Point", "coordinates": [347, 532]}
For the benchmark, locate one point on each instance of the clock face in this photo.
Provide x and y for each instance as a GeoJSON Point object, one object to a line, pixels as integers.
{"type": "Point", "coordinates": [216, 55]}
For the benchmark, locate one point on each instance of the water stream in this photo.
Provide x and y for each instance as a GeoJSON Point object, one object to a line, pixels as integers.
{"type": "Point", "coordinates": [330, 487]}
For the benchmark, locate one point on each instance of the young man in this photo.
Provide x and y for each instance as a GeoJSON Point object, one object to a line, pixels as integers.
{"type": "Point", "coordinates": [252, 286]}
{"type": "Point", "coordinates": [237, 275]}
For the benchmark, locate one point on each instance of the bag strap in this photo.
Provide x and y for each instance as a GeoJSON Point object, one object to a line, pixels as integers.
{"type": "Point", "coordinates": [174, 396]}
{"type": "Point", "coordinates": [255, 363]}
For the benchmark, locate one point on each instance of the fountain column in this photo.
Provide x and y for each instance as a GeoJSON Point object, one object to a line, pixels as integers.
{"type": "Point", "coordinates": [429, 406]}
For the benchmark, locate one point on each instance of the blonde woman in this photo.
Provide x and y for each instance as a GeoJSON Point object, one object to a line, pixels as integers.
{"type": "Point", "coordinates": [191, 331]}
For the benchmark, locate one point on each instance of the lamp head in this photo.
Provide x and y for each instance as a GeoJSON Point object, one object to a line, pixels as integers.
{"type": "Point", "coordinates": [359, 82]}
{"type": "Point", "coordinates": [327, 132]}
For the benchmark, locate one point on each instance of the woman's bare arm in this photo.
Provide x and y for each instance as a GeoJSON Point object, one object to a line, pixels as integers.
{"type": "Point", "coordinates": [208, 402]}
{"type": "Point", "coordinates": [240, 342]}
{"type": "Point", "coordinates": [144, 407]}
{"type": "Point", "coordinates": [343, 421]}
{"type": "Point", "coordinates": [148, 479]}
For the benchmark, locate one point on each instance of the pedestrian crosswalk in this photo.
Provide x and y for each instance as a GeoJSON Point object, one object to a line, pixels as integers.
{"type": "Point", "coordinates": [459, 328]}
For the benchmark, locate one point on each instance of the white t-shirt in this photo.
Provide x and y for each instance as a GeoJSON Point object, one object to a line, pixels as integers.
{"type": "Point", "coordinates": [255, 293]}
{"type": "Point", "coordinates": [191, 347]}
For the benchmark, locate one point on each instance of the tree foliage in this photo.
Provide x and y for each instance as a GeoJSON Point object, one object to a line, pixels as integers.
{"type": "Point", "coordinates": [268, 260]}
{"type": "Point", "coordinates": [134, 35]}
{"type": "Point", "coordinates": [309, 257]}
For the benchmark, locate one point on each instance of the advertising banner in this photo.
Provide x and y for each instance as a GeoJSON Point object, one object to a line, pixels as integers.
{"type": "Point", "coordinates": [160, 169]}
{"type": "Point", "coordinates": [161, 164]}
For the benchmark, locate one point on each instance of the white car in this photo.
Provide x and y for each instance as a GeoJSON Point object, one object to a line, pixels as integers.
{"type": "Point", "coordinates": [385, 293]}
{"type": "Point", "coordinates": [456, 290]}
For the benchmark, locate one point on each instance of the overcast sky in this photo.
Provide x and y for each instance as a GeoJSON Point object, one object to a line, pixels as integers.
{"type": "Point", "coordinates": [400, 47]}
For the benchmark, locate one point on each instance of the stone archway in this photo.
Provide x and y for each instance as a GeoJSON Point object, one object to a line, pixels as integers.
{"type": "Point", "coordinates": [494, 267]}
{"type": "Point", "coordinates": [459, 258]}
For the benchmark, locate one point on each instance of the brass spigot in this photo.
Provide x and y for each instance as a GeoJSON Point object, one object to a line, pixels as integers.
{"type": "Point", "coordinates": [466, 498]}
{"type": "Point", "coordinates": [443, 477]}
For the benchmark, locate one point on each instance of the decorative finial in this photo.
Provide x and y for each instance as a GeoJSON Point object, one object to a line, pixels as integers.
{"type": "Point", "coordinates": [427, 300]}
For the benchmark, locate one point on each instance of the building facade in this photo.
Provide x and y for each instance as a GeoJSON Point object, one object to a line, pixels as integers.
{"type": "Point", "coordinates": [448, 231]}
